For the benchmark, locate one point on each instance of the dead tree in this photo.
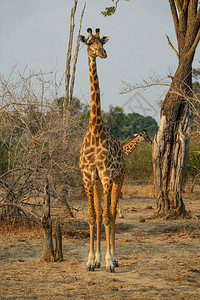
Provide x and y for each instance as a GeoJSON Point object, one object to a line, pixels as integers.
{"type": "Point", "coordinates": [69, 87]}
{"type": "Point", "coordinates": [170, 148]}
{"type": "Point", "coordinates": [48, 253]}
{"type": "Point", "coordinates": [68, 63]}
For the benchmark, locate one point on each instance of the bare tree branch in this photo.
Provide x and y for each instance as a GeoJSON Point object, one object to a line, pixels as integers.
{"type": "Point", "coordinates": [67, 74]}
{"type": "Point", "coordinates": [174, 15]}
{"type": "Point", "coordinates": [75, 60]}
{"type": "Point", "coordinates": [36, 217]}
{"type": "Point", "coordinates": [195, 43]}
{"type": "Point", "coordinates": [169, 42]}
{"type": "Point", "coordinates": [179, 6]}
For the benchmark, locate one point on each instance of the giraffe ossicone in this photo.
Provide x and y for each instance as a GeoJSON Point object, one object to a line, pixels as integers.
{"type": "Point", "coordinates": [101, 163]}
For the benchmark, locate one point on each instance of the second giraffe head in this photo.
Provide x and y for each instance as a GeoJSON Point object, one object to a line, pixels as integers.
{"type": "Point", "coordinates": [95, 43]}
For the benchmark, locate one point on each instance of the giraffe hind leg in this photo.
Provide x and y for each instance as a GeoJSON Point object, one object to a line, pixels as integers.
{"type": "Point", "coordinates": [121, 216]}
{"type": "Point", "coordinates": [116, 190]}
{"type": "Point", "coordinates": [98, 210]}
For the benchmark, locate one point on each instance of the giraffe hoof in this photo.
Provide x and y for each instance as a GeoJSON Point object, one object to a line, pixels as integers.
{"type": "Point", "coordinates": [121, 217]}
{"type": "Point", "coordinates": [97, 265]}
{"type": "Point", "coordinates": [90, 268]}
{"type": "Point", "coordinates": [116, 264]}
{"type": "Point", "coordinates": [110, 269]}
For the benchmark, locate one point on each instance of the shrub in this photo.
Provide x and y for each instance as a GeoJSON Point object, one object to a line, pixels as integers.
{"type": "Point", "coordinates": [139, 164]}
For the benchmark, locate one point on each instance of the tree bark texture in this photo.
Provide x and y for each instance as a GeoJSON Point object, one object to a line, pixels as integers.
{"type": "Point", "coordinates": [58, 240]}
{"type": "Point", "coordinates": [171, 144]}
{"type": "Point", "coordinates": [48, 253]}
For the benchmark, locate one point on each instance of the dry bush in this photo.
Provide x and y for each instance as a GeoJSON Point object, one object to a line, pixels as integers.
{"type": "Point", "coordinates": [35, 143]}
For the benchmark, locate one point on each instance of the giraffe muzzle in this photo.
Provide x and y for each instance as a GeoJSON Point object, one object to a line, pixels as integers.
{"type": "Point", "coordinates": [103, 54]}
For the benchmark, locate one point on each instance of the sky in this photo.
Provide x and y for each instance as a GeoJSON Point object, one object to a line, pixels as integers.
{"type": "Point", "coordinates": [34, 35]}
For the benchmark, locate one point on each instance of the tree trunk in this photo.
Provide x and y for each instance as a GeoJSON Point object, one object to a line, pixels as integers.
{"type": "Point", "coordinates": [69, 88]}
{"type": "Point", "coordinates": [48, 253]}
{"type": "Point", "coordinates": [58, 241]}
{"type": "Point", "coordinates": [170, 153]}
{"type": "Point", "coordinates": [171, 144]}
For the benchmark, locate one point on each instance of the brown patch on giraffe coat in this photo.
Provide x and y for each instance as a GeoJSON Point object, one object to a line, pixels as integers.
{"type": "Point", "coordinates": [104, 152]}
{"type": "Point", "coordinates": [91, 157]}
{"type": "Point", "coordinates": [93, 140]}
{"type": "Point", "coordinates": [94, 119]}
{"type": "Point", "coordinates": [95, 77]}
{"type": "Point", "coordinates": [98, 150]}
{"type": "Point", "coordinates": [119, 152]}
{"type": "Point", "coordinates": [84, 160]}
{"type": "Point", "coordinates": [93, 92]}
{"type": "Point", "coordinates": [98, 111]}
{"type": "Point", "coordinates": [115, 148]}
{"type": "Point", "coordinates": [108, 163]}
{"type": "Point", "coordinates": [89, 135]}
{"type": "Point", "coordinates": [101, 156]}
{"type": "Point", "coordinates": [103, 135]}
{"type": "Point", "coordinates": [95, 130]}
{"type": "Point", "coordinates": [96, 85]}
{"type": "Point", "coordinates": [87, 142]}
{"type": "Point", "coordinates": [98, 120]}
{"type": "Point", "coordinates": [97, 142]}
{"type": "Point", "coordinates": [89, 150]}
{"type": "Point", "coordinates": [93, 95]}
{"type": "Point", "coordinates": [93, 109]}
{"type": "Point", "coordinates": [87, 174]}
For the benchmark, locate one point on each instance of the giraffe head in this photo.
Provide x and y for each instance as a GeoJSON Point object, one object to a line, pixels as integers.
{"type": "Point", "coordinates": [95, 43]}
{"type": "Point", "coordinates": [144, 136]}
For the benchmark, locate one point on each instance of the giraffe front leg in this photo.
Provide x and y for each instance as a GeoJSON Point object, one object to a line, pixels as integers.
{"type": "Point", "coordinates": [98, 251]}
{"type": "Point", "coordinates": [113, 251]}
{"type": "Point", "coordinates": [109, 259]}
{"type": "Point", "coordinates": [91, 257]}
{"type": "Point", "coordinates": [98, 210]}
{"type": "Point", "coordinates": [116, 189]}
{"type": "Point", "coordinates": [91, 218]}
{"type": "Point", "coordinates": [106, 221]}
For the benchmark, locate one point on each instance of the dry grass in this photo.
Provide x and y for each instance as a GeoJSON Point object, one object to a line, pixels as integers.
{"type": "Point", "coordinates": [130, 190]}
{"type": "Point", "coordinates": [158, 259]}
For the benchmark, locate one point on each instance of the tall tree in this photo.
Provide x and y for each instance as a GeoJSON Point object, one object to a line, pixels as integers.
{"type": "Point", "coordinates": [171, 143]}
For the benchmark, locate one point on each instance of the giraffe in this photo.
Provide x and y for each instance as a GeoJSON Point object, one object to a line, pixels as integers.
{"type": "Point", "coordinates": [101, 163]}
{"type": "Point", "coordinates": [129, 147]}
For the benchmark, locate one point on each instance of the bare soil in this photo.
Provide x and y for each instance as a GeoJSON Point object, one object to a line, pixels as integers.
{"type": "Point", "coordinates": [158, 259]}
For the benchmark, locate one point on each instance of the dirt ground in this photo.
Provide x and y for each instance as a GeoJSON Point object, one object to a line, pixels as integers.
{"type": "Point", "coordinates": [158, 259]}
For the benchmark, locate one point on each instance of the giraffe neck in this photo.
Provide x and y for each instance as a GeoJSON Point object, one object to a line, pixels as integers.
{"type": "Point", "coordinates": [95, 112]}
{"type": "Point", "coordinates": [131, 145]}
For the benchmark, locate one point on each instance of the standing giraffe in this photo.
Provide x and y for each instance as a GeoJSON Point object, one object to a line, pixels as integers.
{"type": "Point", "coordinates": [101, 162]}
{"type": "Point", "coordinates": [129, 147]}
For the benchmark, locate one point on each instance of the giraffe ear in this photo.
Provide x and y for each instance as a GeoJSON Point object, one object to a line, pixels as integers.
{"type": "Point", "coordinates": [104, 39]}
{"type": "Point", "coordinates": [83, 39]}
